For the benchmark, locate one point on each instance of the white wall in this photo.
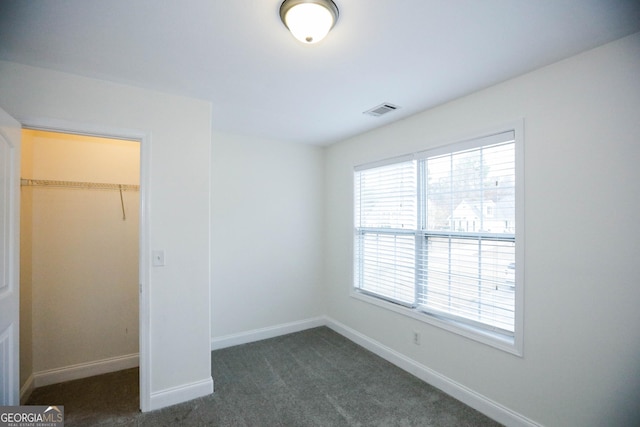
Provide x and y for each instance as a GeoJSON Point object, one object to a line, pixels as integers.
{"type": "Point", "coordinates": [581, 364]}
{"type": "Point", "coordinates": [177, 139]}
{"type": "Point", "coordinates": [82, 275]}
{"type": "Point", "coordinates": [267, 242]}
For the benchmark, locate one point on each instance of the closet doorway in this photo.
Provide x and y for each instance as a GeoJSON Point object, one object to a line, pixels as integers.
{"type": "Point", "coordinates": [79, 292]}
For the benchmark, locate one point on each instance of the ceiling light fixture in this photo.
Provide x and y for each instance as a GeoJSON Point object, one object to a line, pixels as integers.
{"type": "Point", "coordinates": [309, 20]}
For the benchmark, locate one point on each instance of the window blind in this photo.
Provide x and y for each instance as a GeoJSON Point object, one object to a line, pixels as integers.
{"type": "Point", "coordinates": [386, 220]}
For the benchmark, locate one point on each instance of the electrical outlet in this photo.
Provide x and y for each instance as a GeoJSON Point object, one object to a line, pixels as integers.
{"type": "Point", "coordinates": [416, 337]}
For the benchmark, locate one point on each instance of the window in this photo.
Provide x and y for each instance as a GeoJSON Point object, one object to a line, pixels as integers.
{"type": "Point", "coordinates": [435, 233]}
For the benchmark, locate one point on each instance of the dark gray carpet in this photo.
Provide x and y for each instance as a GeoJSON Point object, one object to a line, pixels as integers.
{"type": "Point", "coordinates": [311, 378]}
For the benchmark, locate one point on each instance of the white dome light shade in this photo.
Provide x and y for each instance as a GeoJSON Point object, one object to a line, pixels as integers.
{"type": "Point", "coordinates": [309, 21]}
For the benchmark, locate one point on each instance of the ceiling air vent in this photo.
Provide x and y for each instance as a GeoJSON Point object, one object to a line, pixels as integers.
{"type": "Point", "coordinates": [381, 109]}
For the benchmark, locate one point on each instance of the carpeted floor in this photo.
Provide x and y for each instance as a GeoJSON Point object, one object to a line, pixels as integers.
{"type": "Point", "coordinates": [310, 378]}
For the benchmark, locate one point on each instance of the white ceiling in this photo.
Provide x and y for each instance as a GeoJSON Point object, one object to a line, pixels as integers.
{"type": "Point", "coordinates": [262, 82]}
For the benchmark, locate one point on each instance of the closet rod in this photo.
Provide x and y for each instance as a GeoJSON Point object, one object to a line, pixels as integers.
{"type": "Point", "coordinates": [75, 184]}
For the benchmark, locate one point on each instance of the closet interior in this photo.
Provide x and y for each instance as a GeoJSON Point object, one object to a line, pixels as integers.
{"type": "Point", "coordinates": [79, 256]}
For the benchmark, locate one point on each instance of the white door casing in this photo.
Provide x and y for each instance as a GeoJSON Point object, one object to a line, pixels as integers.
{"type": "Point", "coordinates": [9, 259]}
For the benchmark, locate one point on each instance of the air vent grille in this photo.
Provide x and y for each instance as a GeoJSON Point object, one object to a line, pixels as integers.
{"type": "Point", "coordinates": [381, 109]}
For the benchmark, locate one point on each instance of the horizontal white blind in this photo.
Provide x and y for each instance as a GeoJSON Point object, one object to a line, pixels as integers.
{"type": "Point", "coordinates": [469, 235]}
{"type": "Point", "coordinates": [472, 190]}
{"type": "Point", "coordinates": [385, 210]}
{"type": "Point", "coordinates": [385, 197]}
{"type": "Point", "coordinates": [467, 278]}
{"type": "Point", "coordinates": [387, 265]}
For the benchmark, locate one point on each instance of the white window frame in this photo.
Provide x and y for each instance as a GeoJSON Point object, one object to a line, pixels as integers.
{"type": "Point", "coordinates": [511, 344]}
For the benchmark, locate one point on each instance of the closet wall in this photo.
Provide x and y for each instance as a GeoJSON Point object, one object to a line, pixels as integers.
{"type": "Point", "coordinates": [79, 257]}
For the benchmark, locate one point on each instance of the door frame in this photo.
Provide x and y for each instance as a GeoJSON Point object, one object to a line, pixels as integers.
{"type": "Point", "coordinates": [144, 138]}
{"type": "Point", "coordinates": [10, 292]}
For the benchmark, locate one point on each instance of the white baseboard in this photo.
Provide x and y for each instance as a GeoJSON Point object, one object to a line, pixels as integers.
{"type": "Point", "coordinates": [84, 370]}
{"type": "Point", "coordinates": [265, 333]}
{"type": "Point", "coordinates": [464, 394]}
{"type": "Point", "coordinates": [26, 390]}
{"type": "Point", "coordinates": [183, 393]}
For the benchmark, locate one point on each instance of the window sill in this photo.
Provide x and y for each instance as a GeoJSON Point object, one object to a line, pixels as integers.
{"type": "Point", "coordinates": [492, 339]}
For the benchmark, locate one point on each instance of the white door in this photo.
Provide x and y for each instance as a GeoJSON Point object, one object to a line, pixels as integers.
{"type": "Point", "coordinates": [9, 259]}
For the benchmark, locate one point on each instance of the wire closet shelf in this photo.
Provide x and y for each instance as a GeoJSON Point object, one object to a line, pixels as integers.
{"type": "Point", "coordinates": [82, 186]}
{"type": "Point", "coordinates": [77, 184]}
